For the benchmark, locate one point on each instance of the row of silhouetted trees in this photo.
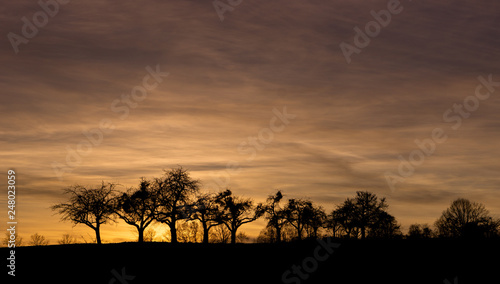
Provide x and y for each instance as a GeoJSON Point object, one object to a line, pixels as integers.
{"type": "Point", "coordinates": [167, 200]}
{"type": "Point", "coordinates": [176, 197]}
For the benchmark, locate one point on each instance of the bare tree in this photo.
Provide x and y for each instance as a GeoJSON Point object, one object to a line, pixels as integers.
{"type": "Point", "coordinates": [220, 235]}
{"type": "Point", "coordinates": [317, 220]}
{"type": "Point", "coordinates": [206, 210]}
{"type": "Point", "coordinates": [343, 220]}
{"type": "Point", "coordinates": [299, 213]}
{"type": "Point", "coordinates": [275, 215]}
{"type": "Point", "coordinates": [38, 240]}
{"type": "Point", "coordinates": [268, 234]}
{"type": "Point", "coordinates": [149, 235]}
{"type": "Point", "coordinates": [189, 231]}
{"type": "Point", "coordinates": [138, 207]}
{"type": "Point", "coordinates": [174, 191]}
{"type": "Point", "coordinates": [384, 226]}
{"type": "Point", "coordinates": [419, 231]}
{"type": "Point", "coordinates": [10, 239]}
{"type": "Point", "coordinates": [362, 216]}
{"type": "Point", "coordinates": [367, 210]}
{"type": "Point", "coordinates": [89, 206]}
{"type": "Point", "coordinates": [467, 219]}
{"type": "Point", "coordinates": [67, 239]}
{"type": "Point", "coordinates": [237, 211]}
{"type": "Point", "coordinates": [242, 237]}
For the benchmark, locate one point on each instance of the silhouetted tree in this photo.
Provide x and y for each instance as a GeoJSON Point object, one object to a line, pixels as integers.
{"type": "Point", "coordinates": [268, 234]}
{"type": "Point", "coordinates": [365, 215]}
{"type": "Point", "coordinates": [236, 211]}
{"type": "Point", "coordinates": [316, 221]}
{"type": "Point", "coordinates": [367, 210]}
{"type": "Point", "coordinates": [206, 210]}
{"type": "Point", "coordinates": [242, 237]}
{"type": "Point", "coordinates": [344, 218]}
{"type": "Point", "coordinates": [149, 235]}
{"type": "Point", "coordinates": [189, 231]}
{"type": "Point", "coordinates": [275, 215]}
{"type": "Point", "coordinates": [38, 240]}
{"type": "Point", "coordinates": [419, 231]}
{"type": "Point", "coordinates": [138, 207]}
{"type": "Point", "coordinates": [67, 239]}
{"type": "Point", "coordinates": [385, 226]}
{"type": "Point", "coordinates": [302, 214]}
{"type": "Point", "coordinates": [220, 235]}
{"type": "Point", "coordinates": [89, 206]}
{"type": "Point", "coordinates": [18, 239]}
{"type": "Point", "coordinates": [175, 191]}
{"type": "Point", "coordinates": [466, 219]}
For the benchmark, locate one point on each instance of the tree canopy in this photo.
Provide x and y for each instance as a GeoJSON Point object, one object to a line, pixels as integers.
{"type": "Point", "coordinates": [466, 219]}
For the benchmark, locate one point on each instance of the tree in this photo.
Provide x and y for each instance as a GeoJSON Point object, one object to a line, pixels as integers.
{"type": "Point", "coordinates": [38, 240]}
{"type": "Point", "coordinates": [89, 206]}
{"type": "Point", "coordinates": [385, 227]}
{"type": "Point", "coordinates": [343, 220]}
{"type": "Point", "coordinates": [302, 214]}
{"type": "Point", "coordinates": [268, 234]}
{"type": "Point", "coordinates": [149, 235]}
{"type": "Point", "coordinates": [275, 215]}
{"type": "Point", "coordinates": [174, 191]}
{"type": "Point", "coordinates": [220, 235]}
{"type": "Point", "coordinates": [206, 210]}
{"type": "Point", "coordinates": [242, 237]}
{"type": "Point", "coordinates": [367, 210]}
{"type": "Point", "coordinates": [364, 216]}
{"type": "Point", "coordinates": [138, 207]}
{"type": "Point", "coordinates": [419, 231]}
{"type": "Point", "coordinates": [465, 219]}
{"type": "Point", "coordinates": [10, 239]}
{"type": "Point", "coordinates": [188, 231]}
{"type": "Point", "coordinates": [67, 239]}
{"type": "Point", "coordinates": [236, 211]}
{"type": "Point", "coordinates": [316, 221]}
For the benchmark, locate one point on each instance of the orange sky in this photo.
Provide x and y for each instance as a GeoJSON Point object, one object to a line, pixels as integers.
{"type": "Point", "coordinates": [351, 121]}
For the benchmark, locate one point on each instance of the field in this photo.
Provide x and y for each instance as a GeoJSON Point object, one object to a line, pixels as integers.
{"type": "Point", "coordinates": [371, 261]}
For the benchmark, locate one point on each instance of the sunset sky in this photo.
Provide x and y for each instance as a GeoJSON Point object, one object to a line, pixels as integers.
{"type": "Point", "coordinates": [227, 80]}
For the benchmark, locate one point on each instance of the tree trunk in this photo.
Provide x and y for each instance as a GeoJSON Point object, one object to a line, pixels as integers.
{"type": "Point", "coordinates": [299, 233]}
{"type": "Point", "coordinates": [97, 234]}
{"type": "Point", "coordinates": [173, 233]}
{"type": "Point", "coordinates": [233, 236]}
{"type": "Point", "coordinates": [278, 234]}
{"type": "Point", "coordinates": [205, 233]}
{"type": "Point", "coordinates": [141, 234]}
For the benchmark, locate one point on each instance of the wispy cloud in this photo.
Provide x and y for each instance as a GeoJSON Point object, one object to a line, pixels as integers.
{"type": "Point", "coordinates": [353, 120]}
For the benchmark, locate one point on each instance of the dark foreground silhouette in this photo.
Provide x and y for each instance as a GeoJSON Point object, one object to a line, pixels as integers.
{"type": "Point", "coordinates": [311, 261]}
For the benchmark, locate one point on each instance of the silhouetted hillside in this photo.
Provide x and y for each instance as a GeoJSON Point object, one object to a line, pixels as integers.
{"type": "Point", "coordinates": [356, 261]}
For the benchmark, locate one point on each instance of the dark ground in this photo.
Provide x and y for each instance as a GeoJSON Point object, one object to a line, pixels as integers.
{"type": "Point", "coordinates": [370, 261]}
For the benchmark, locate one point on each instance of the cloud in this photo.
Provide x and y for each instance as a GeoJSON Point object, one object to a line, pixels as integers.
{"type": "Point", "coordinates": [352, 120]}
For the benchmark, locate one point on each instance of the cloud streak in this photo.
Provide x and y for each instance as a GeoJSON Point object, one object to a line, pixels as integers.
{"type": "Point", "coordinates": [353, 120]}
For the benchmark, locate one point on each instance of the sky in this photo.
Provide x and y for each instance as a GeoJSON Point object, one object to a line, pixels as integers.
{"type": "Point", "coordinates": [319, 99]}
